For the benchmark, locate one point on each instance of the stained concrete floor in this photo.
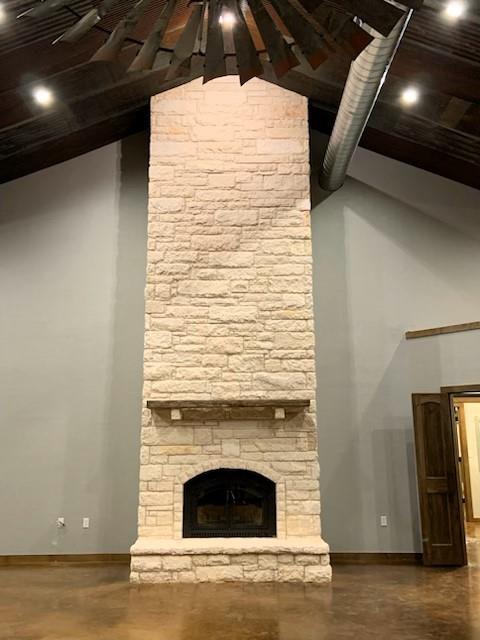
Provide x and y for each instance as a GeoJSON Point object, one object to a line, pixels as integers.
{"type": "Point", "coordinates": [97, 603]}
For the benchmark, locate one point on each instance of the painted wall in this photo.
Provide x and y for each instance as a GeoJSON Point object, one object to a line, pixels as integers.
{"type": "Point", "coordinates": [395, 249]}
{"type": "Point", "coordinates": [72, 263]}
{"type": "Point", "coordinates": [383, 266]}
{"type": "Point", "coordinates": [472, 427]}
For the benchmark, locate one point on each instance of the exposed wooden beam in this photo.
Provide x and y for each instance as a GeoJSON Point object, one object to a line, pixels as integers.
{"type": "Point", "coordinates": [75, 144]}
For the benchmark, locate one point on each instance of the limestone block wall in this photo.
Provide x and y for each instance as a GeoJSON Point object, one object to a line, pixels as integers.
{"type": "Point", "coordinates": [283, 451]}
{"type": "Point", "coordinates": [229, 295]}
{"type": "Point", "coordinates": [229, 284]}
{"type": "Point", "coordinates": [238, 563]}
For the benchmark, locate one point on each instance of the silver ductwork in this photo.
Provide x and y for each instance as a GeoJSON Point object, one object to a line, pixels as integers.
{"type": "Point", "coordinates": [365, 79]}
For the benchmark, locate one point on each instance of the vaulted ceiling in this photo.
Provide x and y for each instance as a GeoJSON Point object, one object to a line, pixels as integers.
{"type": "Point", "coordinates": [97, 103]}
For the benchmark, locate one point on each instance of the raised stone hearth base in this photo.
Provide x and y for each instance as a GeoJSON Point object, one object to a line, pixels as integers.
{"type": "Point", "coordinates": [157, 560]}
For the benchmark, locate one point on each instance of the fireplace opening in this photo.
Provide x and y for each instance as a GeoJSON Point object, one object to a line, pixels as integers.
{"type": "Point", "coordinates": [229, 503]}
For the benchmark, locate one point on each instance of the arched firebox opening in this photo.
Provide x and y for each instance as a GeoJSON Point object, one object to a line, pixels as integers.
{"type": "Point", "coordinates": [229, 503]}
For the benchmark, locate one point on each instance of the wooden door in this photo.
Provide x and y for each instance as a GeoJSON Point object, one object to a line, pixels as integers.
{"type": "Point", "coordinates": [443, 530]}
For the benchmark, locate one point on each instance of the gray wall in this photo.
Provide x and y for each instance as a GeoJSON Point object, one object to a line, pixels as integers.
{"type": "Point", "coordinates": [395, 249]}
{"type": "Point", "coordinates": [72, 263]}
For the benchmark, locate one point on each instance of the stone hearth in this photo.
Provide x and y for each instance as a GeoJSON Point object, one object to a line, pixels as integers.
{"type": "Point", "coordinates": [229, 318]}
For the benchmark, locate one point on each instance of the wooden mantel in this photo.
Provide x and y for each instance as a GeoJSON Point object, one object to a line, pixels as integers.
{"type": "Point", "coordinates": [207, 404]}
{"type": "Point", "coordinates": [232, 409]}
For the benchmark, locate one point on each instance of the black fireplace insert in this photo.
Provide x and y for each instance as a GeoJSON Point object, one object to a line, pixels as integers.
{"type": "Point", "coordinates": [229, 503]}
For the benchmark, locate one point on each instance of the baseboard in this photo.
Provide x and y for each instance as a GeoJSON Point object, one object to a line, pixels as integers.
{"type": "Point", "coordinates": [375, 558]}
{"type": "Point", "coordinates": [64, 559]}
{"type": "Point", "coordinates": [124, 558]}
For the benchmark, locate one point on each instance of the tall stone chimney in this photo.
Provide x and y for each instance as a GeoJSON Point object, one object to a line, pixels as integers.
{"type": "Point", "coordinates": [229, 393]}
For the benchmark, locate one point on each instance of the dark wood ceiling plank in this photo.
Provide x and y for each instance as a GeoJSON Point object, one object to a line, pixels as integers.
{"type": "Point", "coordinates": [413, 4]}
{"type": "Point", "coordinates": [17, 33]}
{"type": "Point", "coordinates": [436, 71]}
{"type": "Point", "coordinates": [461, 39]}
{"type": "Point", "coordinates": [417, 155]}
{"type": "Point", "coordinates": [68, 86]}
{"type": "Point", "coordinates": [87, 22]}
{"type": "Point", "coordinates": [75, 144]}
{"type": "Point", "coordinates": [42, 60]}
{"type": "Point", "coordinates": [470, 123]}
{"type": "Point", "coordinates": [433, 135]}
{"type": "Point", "coordinates": [43, 9]}
{"type": "Point", "coordinates": [129, 94]}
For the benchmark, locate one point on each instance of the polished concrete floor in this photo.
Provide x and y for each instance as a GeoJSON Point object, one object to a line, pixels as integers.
{"type": "Point", "coordinates": [472, 531]}
{"type": "Point", "coordinates": [387, 602]}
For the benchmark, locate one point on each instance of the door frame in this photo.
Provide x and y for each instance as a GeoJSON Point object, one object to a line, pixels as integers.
{"type": "Point", "coordinates": [462, 388]}
{"type": "Point", "coordinates": [465, 458]}
{"type": "Point", "coordinates": [452, 392]}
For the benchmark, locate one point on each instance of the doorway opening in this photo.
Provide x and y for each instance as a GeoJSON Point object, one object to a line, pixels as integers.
{"type": "Point", "coordinates": [466, 409]}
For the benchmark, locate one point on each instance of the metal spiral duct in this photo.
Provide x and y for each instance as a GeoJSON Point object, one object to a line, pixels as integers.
{"type": "Point", "coordinates": [365, 79]}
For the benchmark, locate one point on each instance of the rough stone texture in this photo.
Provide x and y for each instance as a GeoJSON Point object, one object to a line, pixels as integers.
{"type": "Point", "coordinates": [303, 559]}
{"type": "Point", "coordinates": [229, 304]}
{"type": "Point", "coordinates": [228, 568]}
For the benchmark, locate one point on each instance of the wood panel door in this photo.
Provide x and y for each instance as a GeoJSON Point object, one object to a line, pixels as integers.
{"type": "Point", "coordinates": [441, 510]}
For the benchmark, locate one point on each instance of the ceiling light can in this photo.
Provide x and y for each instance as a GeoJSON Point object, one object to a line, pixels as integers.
{"type": "Point", "coordinates": [43, 96]}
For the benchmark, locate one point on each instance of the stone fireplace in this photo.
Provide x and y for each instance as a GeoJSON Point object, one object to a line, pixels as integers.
{"type": "Point", "coordinates": [229, 477]}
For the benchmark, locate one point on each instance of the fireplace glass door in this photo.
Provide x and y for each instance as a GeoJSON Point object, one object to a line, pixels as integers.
{"type": "Point", "coordinates": [229, 503]}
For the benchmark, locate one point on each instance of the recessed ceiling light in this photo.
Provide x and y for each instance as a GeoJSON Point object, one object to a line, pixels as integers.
{"type": "Point", "coordinates": [410, 95]}
{"type": "Point", "coordinates": [455, 9]}
{"type": "Point", "coordinates": [42, 96]}
{"type": "Point", "coordinates": [3, 14]}
{"type": "Point", "coordinates": [227, 19]}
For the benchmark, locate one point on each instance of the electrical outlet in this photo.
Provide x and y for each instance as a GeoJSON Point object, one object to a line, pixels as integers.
{"type": "Point", "coordinates": [60, 522]}
{"type": "Point", "coordinates": [383, 521]}
{"type": "Point", "coordinates": [86, 523]}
